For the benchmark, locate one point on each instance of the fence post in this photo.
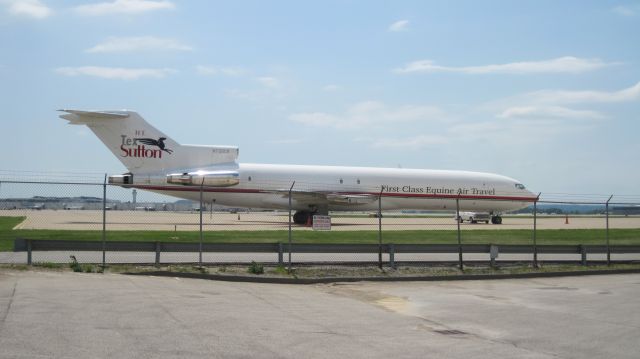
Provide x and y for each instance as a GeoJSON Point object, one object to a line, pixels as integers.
{"type": "Point", "coordinates": [104, 222]}
{"type": "Point", "coordinates": [280, 253]}
{"type": "Point", "coordinates": [290, 189]}
{"type": "Point", "coordinates": [157, 254]}
{"type": "Point", "coordinates": [200, 244]}
{"type": "Point", "coordinates": [583, 255]}
{"type": "Point", "coordinates": [606, 232]}
{"type": "Point", "coordinates": [380, 228]}
{"type": "Point", "coordinates": [29, 251]}
{"type": "Point", "coordinates": [535, 231]}
{"type": "Point", "coordinates": [459, 238]}
{"type": "Point", "coordinates": [392, 255]}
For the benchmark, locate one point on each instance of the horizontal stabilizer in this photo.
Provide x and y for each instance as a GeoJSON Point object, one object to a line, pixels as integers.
{"type": "Point", "coordinates": [80, 117]}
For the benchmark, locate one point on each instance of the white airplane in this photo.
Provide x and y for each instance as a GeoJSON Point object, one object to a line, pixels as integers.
{"type": "Point", "coordinates": [157, 163]}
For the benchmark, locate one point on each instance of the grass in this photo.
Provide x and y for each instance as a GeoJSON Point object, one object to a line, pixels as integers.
{"type": "Point", "coordinates": [497, 236]}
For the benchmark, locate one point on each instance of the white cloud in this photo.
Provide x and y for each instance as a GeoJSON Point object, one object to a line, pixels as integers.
{"type": "Point", "coordinates": [114, 72]}
{"type": "Point", "coordinates": [128, 7]}
{"type": "Point", "coordinates": [400, 25]}
{"type": "Point", "coordinates": [626, 10]}
{"type": "Point", "coordinates": [413, 143]}
{"type": "Point", "coordinates": [563, 96]}
{"type": "Point", "coordinates": [331, 88]}
{"type": "Point", "coordinates": [291, 141]}
{"type": "Point", "coordinates": [431, 127]}
{"type": "Point", "coordinates": [28, 8]}
{"type": "Point", "coordinates": [369, 113]}
{"type": "Point", "coordinates": [567, 64]}
{"type": "Point", "coordinates": [208, 70]}
{"type": "Point", "coordinates": [269, 81]}
{"type": "Point", "coordinates": [516, 131]}
{"type": "Point", "coordinates": [546, 112]}
{"type": "Point", "coordinates": [551, 105]}
{"type": "Point", "coordinates": [319, 119]}
{"type": "Point", "coordinates": [138, 43]}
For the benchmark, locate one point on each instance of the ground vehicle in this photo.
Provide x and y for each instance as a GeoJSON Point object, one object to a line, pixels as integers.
{"type": "Point", "coordinates": [475, 217]}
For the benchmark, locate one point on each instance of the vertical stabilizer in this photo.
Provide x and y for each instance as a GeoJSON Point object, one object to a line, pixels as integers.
{"type": "Point", "coordinates": [144, 149]}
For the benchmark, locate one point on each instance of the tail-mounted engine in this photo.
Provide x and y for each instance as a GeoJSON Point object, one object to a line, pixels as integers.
{"type": "Point", "coordinates": [205, 178]}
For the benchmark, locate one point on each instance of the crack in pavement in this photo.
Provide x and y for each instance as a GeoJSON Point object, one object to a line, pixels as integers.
{"type": "Point", "coordinates": [6, 313]}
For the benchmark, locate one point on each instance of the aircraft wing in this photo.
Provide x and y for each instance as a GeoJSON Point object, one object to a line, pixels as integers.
{"type": "Point", "coordinates": [351, 199]}
{"type": "Point", "coordinates": [334, 198]}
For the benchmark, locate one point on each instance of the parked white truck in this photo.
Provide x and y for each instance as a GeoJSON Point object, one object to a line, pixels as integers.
{"type": "Point", "coordinates": [475, 217]}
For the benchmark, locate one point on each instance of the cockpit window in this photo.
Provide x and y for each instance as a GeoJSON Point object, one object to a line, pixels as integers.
{"type": "Point", "coordinates": [519, 186]}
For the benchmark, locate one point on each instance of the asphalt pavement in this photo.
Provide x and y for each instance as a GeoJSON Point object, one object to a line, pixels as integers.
{"type": "Point", "coordinates": [63, 314]}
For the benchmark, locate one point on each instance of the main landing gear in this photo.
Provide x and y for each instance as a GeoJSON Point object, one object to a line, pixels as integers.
{"type": "Point", "coordinates": [496, 219]}
{"type": "Point", "coordinates": [301, 217]}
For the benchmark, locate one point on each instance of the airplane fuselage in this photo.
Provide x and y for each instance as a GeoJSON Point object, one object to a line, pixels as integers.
{"type": "Point", "coordinates": [267, 186]}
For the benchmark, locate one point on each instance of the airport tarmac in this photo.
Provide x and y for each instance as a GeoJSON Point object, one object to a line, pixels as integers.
{"type": "Point", "coordinates": [63, 314]}
{"type": "Point", "coordinates": [221, 221]}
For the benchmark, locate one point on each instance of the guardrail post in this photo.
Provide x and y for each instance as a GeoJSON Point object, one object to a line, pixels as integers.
{"type": "Point", "coordinates": [583, 255]}
{"type": "Point", "coordinates": [392, 255]}
{"type": "Point", "coordinates": [280, 253]}
{"type": "Point", "coordinates": [157, 254]}
{"type": "Point", "coordinates": [493, 254]}
{"type": "Point", "coordinates": [289, 250]}
{"type": "Point", "coordinates": [28, 251]}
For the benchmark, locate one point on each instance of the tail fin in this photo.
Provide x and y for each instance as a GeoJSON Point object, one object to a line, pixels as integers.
{"type": "Point", "coordinates": [143, 148]}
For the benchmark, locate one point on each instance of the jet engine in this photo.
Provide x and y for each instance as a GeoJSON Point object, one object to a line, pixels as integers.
{"type": "Point", "coordinates": [126, 178]}
{"type": "Point", "coordinates": [205, 178]}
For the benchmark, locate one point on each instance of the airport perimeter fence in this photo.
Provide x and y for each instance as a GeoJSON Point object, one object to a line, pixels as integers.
{"type": "Point", "coordinates": [49, 220]}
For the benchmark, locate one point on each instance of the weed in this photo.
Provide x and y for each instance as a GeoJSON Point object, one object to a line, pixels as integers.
{"type": "Point", "coordinates": [256, 268]}
{"type": "Point", "coordinates": [48, 265]}
{"type": "Point", "coordinates": [280, 269]}
{"type": "Point", "coordinates": [75, 266]}
{"type": "Point", "coordinates": [15, 266]}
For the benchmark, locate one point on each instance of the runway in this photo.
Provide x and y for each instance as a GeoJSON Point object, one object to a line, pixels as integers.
{"type": "Point", "coordinates": [224, 221]}
{"type": "Point", "coordinates": [61, 315]}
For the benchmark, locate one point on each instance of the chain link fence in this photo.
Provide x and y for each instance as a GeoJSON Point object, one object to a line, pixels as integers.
{"type": "Point", "coordinates": [84, 207]}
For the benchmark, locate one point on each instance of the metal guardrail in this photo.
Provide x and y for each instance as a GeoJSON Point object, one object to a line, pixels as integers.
{"type": "Point", "coordinates": [31, 245]}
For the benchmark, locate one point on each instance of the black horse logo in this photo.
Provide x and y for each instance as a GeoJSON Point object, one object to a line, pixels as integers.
{"type": "Point", "coordinates": [158, 143]}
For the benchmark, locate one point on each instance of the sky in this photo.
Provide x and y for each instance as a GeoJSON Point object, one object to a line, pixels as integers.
{"type": "Point", "coordinates": [547, 92]}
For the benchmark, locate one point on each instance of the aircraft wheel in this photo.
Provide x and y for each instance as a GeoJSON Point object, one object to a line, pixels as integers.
{"type": "Point", "coordinates": [496, 220]}
{"type": "Point", "coordinates": [301, 217]}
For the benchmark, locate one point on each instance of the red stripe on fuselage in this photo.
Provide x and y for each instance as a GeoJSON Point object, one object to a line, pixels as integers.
{"type": "Point", "coordinates": [402, 195]}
